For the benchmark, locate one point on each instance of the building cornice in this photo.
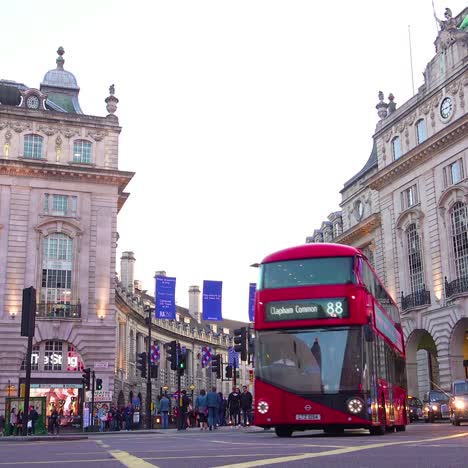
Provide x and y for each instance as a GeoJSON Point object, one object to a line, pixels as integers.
{"type": "Point", "coordinates": [360, 230]}
{"type": "Point", "coordinates": [46, 170]}
{"type": "Point", "coordinates": [421, 153]}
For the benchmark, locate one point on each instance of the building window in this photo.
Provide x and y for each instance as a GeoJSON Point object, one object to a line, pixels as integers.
{"type": "Point", "coordinates": [53, 356]}
{"type": "Point", "coordinates": [409, 197]}
{"type": "Point", "coordinates": [337, 229]}
{"type": "Point", "coordinates": [368, 251]}
{"type": "Point", "coordinates": [396, 148]}
{"type": "Point", "coordinates": [415, 261]}
{"type": "Point", "coordinates": [421, 131]}
{"type": "Point", "coordinates": [82, 151]}
{"type": "Point", "coordinates": [459, 222]}
{"type": "Point", "coordinates": [33, 146]}
{"type": "Point", "coordinates": [60, 205]}
{"type": "Point", "coordinates": [57, 266]}
{"type": "Point", "coordinates": [454, 173]}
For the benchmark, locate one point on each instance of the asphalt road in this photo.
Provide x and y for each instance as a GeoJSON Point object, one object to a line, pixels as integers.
{"type": "Point", "coordinates": [422, 445]}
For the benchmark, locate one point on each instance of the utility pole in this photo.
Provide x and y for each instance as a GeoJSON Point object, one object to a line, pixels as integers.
{"type": "Point", "coordinates": [93, 380]}
{"type": "Point", "coordinates": [149, 419]}
{"type": "Point", "coordinates": [28, 324]}
{"type": "Point", "coordinates": [234, 373]}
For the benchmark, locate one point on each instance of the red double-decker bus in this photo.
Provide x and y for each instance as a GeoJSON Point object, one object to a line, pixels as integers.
{"type": "Point", "coordinates": [329, 351]}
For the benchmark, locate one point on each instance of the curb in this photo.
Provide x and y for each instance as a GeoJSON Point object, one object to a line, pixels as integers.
{"type": "Point", "coordinates": [41, 439]}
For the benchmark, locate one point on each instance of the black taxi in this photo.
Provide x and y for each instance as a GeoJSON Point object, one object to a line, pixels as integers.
{"type": "Point", "coordinates": [459, 402]}
{"type": "Point", "coordinates": [415, 407]}
{"type": "Point", "coordinates": [436, 406]}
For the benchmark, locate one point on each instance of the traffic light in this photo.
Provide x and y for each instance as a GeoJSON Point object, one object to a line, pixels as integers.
{"type": "Point", "coordinates": [154, 371]}
{"type": "Point", "coordinates": [98, 384]}
{"type": "Point", "coordinates": [217, 365]}
{"type": "Point", "coordinates": [142, 359]}
{"type": "Point", "coordinates": [228, 372]}
{"type": "Point", "coordinates": [182, 361]}
{"type": "Point", "coordinates": [171, 354]}
{"type": "Point", "coordinates": [240, 341]}
{"type": "Point", "coordinates": [251, 348]}
{"type": "Point", "coordinates": [87, 378]}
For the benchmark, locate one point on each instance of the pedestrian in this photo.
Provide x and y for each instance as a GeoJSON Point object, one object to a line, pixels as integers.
{"type": "Point", "coordinates": [128, 416]}
{"type": "Point", "coordinates": [183, 408]}
{"type": "Point", "coordinates": [234, 406]}
{"type": "Point", "coordinates": [212, 401]}
{"type": "Point", "coordinates": [2, 425]}
{"type": "Point", "coordinates": [201, 408]}
{"type": "Point", "coordinates": [13, 418]}
{"type": "Point", "coordinates": [246, 405]}
{"type": "Point", "coordinates": [113, 418]}
{"type": "Point", "coordinates": [32, 418]}
{"type": "Point", "coordinates": [164, 406]}
{"type": "Point", "coordinates": [54, 421]}
{"type": "Point", "coordinates": [222, 410]}
{"type": "Point", "coordinates": [19, 423]}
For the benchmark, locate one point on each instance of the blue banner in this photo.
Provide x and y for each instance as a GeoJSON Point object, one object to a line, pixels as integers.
{"type": "Point", "coordinates": [212, 295]}
{"type": "Point", "coordinates": [252, 288]}
{"type": "Point", "coordinates": [165, 298]}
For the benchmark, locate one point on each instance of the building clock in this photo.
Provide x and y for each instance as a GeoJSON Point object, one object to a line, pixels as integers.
{"type": "Point", "coordinates": [446, 107]}
{"type": "Point", "coordinates": [32, 102]}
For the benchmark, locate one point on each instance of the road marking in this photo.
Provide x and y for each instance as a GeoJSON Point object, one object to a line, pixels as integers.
{"type": "Point", "coordinates": [276, 445]}
{"type": "Point", "coordinates": [102, 444]}
{"type": "Point", "coordinates": [130, 460]}
{"type": "Point", "coordinates": [305, 456]}
{"type": "Point", "coordinates": [55, 462]}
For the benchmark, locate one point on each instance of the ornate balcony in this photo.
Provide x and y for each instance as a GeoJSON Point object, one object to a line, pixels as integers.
{"type": "Point", "coordinates": [58, 311]}
{"type": "Point", "coordinates": [456, 287]}
{"type": "Point", "coordinates": [419, 298]}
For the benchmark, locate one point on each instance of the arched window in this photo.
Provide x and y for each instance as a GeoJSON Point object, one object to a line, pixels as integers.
{"type": "Point", "coordinates": [415, 259]}
{"type": "Point", "coordinates": [421, 133]}
{"type": "Point", "coordinates": [82, 151]}
{"type": "Point", "coordinates": [337, 228]}
{"type": "Point", "coordinates": [396, 148]}
{"type": "Point", "coordinates": [33, 146]}
{"type": "Point", "coordinates": [57, 267]}
{"type": "Point", "coordinates": [459, 221]}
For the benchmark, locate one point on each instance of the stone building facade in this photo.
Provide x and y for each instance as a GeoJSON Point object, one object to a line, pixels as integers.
{"type": "Point", "coordinates": [408, 210]}
{"type": "Point", "coordinates": [60, 192]}
{"type": "Point", "coordinates": [188, 329]}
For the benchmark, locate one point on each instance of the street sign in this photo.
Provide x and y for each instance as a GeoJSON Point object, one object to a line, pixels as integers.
{"type": "Point", "coordinates": [99, 395]}
{"type": "Point", "coordinates": [101, 365]}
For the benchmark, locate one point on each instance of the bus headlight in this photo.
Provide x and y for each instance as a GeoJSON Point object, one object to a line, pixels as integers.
{"type": "Point", "coordinates": [263, 407]}
{"type": "Point", "coordinates": [459, 404]}
{"type": "Point", "coordinates": [435, 407]}
{"type": "Point", "coordinates": [355, 405]}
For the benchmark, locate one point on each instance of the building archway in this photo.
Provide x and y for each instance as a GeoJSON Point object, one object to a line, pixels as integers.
{"type": "Point", "coordinates": [422, 364]}
{"type": "Point", "coordinates": [459, 349]}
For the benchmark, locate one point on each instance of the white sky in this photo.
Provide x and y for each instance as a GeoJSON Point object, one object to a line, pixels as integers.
{"type": "Point", "coordinates": [241, 119]}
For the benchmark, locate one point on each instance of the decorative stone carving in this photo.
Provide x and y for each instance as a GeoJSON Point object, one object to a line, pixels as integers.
{"type": "Point", "coordinates": [381, 106]}
{"type": "Point", "coordinates": [96, 136]}
{"type": "Point", "coordinates": [58, 147]}
{"type": "Point", "coordinates": [18, 127]}
{"type": "Point", "coordinates": [111, 101]}
{"type": "Point", "coordinates": [49, 131]}
{"type": "Point", "coordinates": [69, 132]}
{"type": "Point", "coordinates": [3, 124]}
{"type": "Point", "coordinates": [391, 104]}
{"type": "Point", "coordinates": [6, 146]}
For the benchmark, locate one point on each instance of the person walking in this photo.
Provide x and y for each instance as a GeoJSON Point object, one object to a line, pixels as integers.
{"type": "Point", "coordinates": [164, 406]}
{"type": "Point", "coordinates": [212, 401]}
{"type": "Point", "coordinates": [33, 415]}
{"type": "Point", "coordinates": [19, 423]}
{"type": "Point", "coordinates": [54, 422]}
{"type": "Point", "coordinates": [183, 403]}
{"type": "Point", "coordinates": [13, 418]}
{"type": "Point", "coordinates": [234, 406]}
{"type": "Point", "coordinates": [128, 416]}
{"type": "Point", "coordinates": [201, 407]}
{"type": "Point", "coordinates": [246, 405]}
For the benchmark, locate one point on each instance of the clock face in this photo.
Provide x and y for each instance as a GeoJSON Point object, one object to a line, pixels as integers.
{"type": "Point", "coordinates": [32, 102]}
{"type": "Point", "coordinates": [446, 107]}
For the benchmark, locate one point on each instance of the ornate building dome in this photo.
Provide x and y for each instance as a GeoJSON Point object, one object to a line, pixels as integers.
{"type": "Point", "coordinates": [59, 77]}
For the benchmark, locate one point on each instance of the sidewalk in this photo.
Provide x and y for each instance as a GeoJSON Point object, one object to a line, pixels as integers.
{"type": "Point", "coordinates": [96, 435]}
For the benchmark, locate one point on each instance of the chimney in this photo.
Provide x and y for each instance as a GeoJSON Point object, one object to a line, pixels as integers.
{"type": "Point", "coordinates": [127, 265]}
{"type": "Point", "coordinates": [194, 303]}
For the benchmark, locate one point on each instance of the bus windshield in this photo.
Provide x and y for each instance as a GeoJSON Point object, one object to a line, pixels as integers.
{"type": "Point", "coordinates": [306, 272]}
{"type": "Point", "coordinates": [320, 360]}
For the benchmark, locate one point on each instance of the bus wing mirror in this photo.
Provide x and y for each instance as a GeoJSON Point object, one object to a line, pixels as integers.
{"type": "Point", "coordinates": [368, 333]}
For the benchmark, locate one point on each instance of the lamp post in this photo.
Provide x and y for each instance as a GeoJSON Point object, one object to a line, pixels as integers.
{"type": "Point", "coordinates": [149, 418]}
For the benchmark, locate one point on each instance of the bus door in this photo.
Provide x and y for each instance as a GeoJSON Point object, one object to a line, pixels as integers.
{"type": "Point", "coordinates": [373, 384]}
{"type": "Point", "coordinates": [391, 380]}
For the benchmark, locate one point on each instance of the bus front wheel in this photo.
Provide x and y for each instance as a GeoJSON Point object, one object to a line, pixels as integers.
{"type": "Point", "coordinates": [283, 431]}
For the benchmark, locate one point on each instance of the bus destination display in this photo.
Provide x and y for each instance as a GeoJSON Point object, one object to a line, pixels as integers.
{"type": "Point", "coordinates": [307, 309]}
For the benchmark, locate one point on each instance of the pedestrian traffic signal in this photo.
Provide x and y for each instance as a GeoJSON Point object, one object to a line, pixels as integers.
{"type": "Point", "coordinates": [98, 384]}
{"type": "Point", "coordinates": [217, 365]}
{"type": "Point", "coordinates": [171, 354]}
{"type": "Point", "coordinates": [240, 341]}
{"type": "Point", "coordinates": [228, 372]}
{"type": "Point", "coordinates": [182, 361]}
{"type": "Point", "coordinates": [87, 378]}
{"type": "Point", "coordinates": [142, 360]}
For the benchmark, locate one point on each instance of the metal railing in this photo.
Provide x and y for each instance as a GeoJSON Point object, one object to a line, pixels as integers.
{"type": "Point", "coordinates": [58, 311]}
{"type": "Point", "coordinates": [417, 299]}
{"type": "Point", "coordinates": [455, 287]}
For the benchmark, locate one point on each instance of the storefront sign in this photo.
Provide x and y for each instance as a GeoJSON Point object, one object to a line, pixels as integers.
{"type": "Point", "coordinates": [307, 309]}
{"type": "Point", "coordinates": [56, 385]}
{"type": "Point", "coordinates": [101, 365]}
{"type": "Point", "coordinates": [99, 395]}
{"type": "Point", "coordinates": [72, 361]}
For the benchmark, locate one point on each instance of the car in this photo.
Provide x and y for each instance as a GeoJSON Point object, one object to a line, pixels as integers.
{"type": "Point", "coordinates": [415, 408]}
{"type": "Point", "coordinates": [458, 404]}
{"type": "Point", "coordinates": [436, 406]}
